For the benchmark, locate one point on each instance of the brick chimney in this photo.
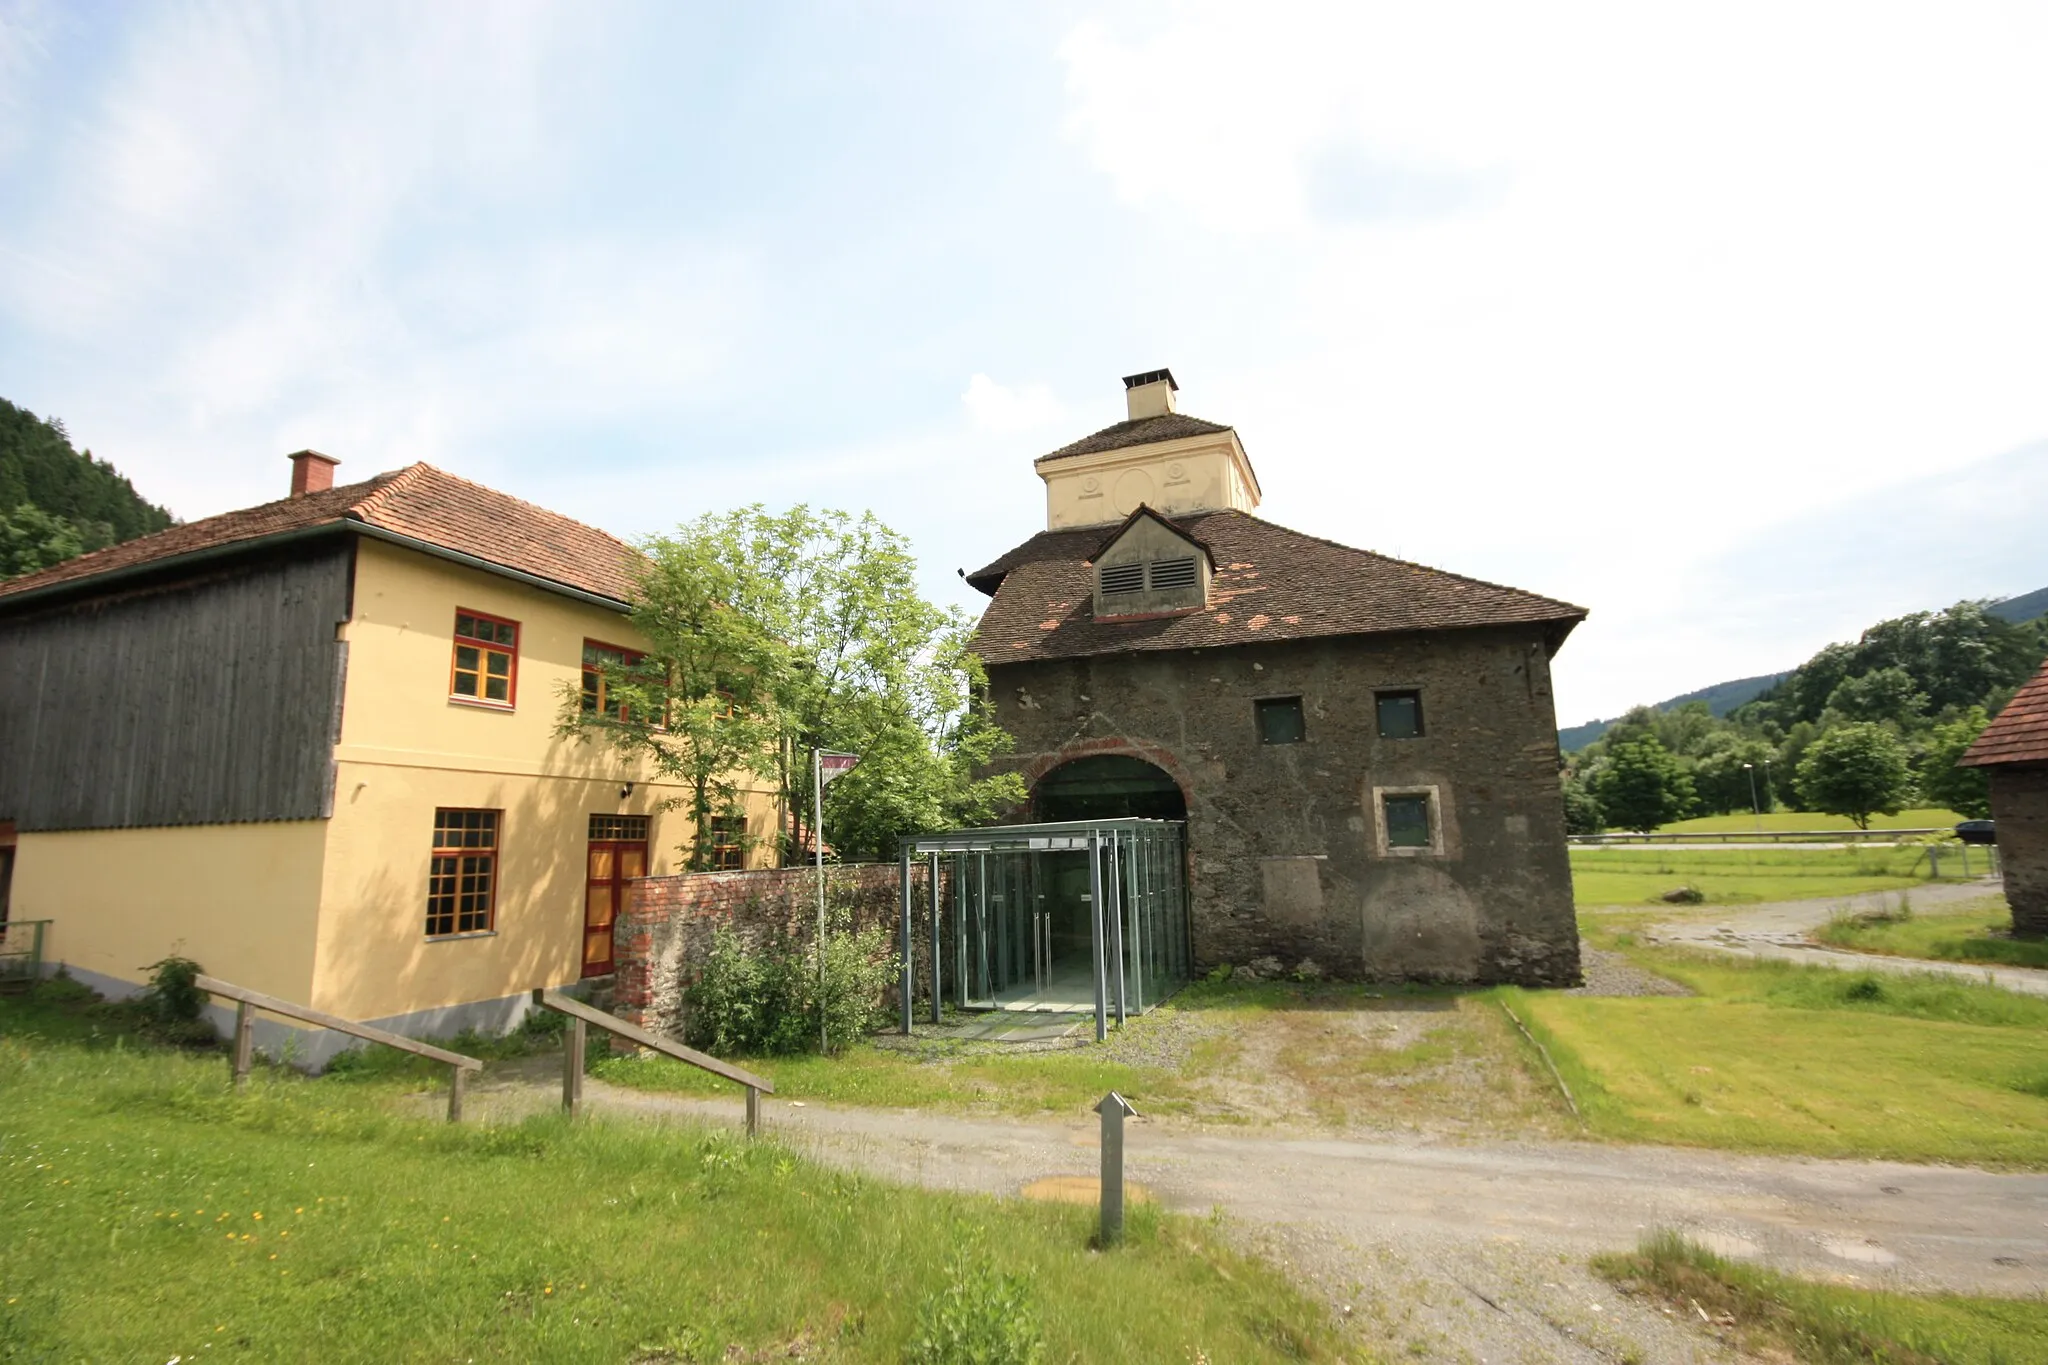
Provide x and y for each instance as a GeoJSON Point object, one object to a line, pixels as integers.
{"type": "Point", "coordinates": [1149, 394]}
{"type": "Point", "coordinates": [312, 472]}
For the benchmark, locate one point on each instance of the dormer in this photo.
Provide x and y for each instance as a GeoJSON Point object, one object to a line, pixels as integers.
{"type": "Point", "coordinates": [1150, 567]}
{"type": "Point", "coordinates": [1158, 457]}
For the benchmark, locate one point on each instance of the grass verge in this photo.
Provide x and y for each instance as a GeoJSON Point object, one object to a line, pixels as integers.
{"type": "Point", "coordinates": [1741, 875]}
{"type": "Point", "coordinates": [1978, 932]}
{"type": "Point", "coordinates": [1776, 1057]}
{"type": "Point", "coordinates": [1923, 817]}
{"type": "Point", "coordinates": [1766, 1313]}
{"type": "Point", "coordinates": [152, 1215]}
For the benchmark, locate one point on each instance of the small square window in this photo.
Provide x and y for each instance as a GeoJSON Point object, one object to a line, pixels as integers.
{"type": "Point", "coordinates": [1400, 715]}
{"type": "Point", "coordinates": [1280, 720]}
{"type": "Point", "coordinates": [1407, 820]}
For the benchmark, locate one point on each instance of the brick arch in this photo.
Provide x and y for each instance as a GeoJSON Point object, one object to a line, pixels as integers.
{"type": "Point", "coordinates": [1157, 755]}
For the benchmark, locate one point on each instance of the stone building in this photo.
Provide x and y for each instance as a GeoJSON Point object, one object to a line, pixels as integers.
{"type": "Point", "coordinates": [2013, 751]}
{"type": "Point", "coordinates": [1364, 749]}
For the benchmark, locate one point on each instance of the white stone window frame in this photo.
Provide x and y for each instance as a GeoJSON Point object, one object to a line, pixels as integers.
{"type": "Point", "coordinates": [1435, 847]}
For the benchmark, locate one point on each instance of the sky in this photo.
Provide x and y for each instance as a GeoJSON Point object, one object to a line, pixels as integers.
{"type": "Point", "coordinates": [1725, 322]}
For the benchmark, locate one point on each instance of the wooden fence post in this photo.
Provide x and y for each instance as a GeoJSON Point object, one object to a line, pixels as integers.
{"type": "Point", "coordinates": [572, 1067]}
{"type": "Point", "coordinates": [753, 1112]}
{"type": "Point", "coordinates": [245, 1043]}
{"type": "Point", "coordinates": [457, 1079]}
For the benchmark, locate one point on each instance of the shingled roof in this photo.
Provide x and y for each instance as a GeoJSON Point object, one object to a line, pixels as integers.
{"type": "Point", "coordinates": [1138, 431]}
{"type": "Point", "coordinates": [1270, 584]}
{"type": "Point", "coordinates": [418, 502]}
{"type": "Point", "coordinates": [2019, 733]}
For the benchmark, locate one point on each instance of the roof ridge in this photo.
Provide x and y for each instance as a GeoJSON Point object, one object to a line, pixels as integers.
{"type": "Point", "coordinates": [1083, 445]}
{"type": "Point", "coordinates": [1393, 559]}
{"type": "Point", "coordinates": [386, 482]}
{"type": "Point", "coordinates": [418, 467]}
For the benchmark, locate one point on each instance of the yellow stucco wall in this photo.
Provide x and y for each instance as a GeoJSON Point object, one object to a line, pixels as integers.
{"type": "Point", "coordinates": [242, 900]}
{"type": "Point", "coordinates": [1195, 474]}
{"type": "Point", "coordinates": [406, 749]}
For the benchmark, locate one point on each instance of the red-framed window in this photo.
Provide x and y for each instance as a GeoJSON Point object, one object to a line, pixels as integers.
{"type": "Point", "coordinates": [728, 843]}
{"type": "Point", "coordinates": [462, 885]}
{"type": "Point", "coordinates": [597, 698]}
{"type": "Point", "coordinates": [486, 666]}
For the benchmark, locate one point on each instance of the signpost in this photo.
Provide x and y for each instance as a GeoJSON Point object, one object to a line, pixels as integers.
{"type": "Point", "coordinates": [825, 765]}
{"type": "Point", "coordinates": [1114, 1109]}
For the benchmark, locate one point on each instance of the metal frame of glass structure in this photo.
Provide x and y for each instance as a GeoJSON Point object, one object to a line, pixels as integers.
{"type": "Point", "coordinates": [1011, 896]}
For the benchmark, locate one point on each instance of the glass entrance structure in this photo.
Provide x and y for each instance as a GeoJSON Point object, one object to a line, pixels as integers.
{"type": "Point", "coordinates": [1074, 917]}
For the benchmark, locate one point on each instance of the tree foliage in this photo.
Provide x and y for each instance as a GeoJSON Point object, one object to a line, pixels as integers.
{"type": "Point", "coordinates": [1858, 769]}
{"type": "Point", "coordinates": [1643, 786]}
{"type": "Point", "coordinates": [1966, 791]}
{"type": "Point", "coordinates": [56, 502]}
{"type": "Point", "coordinates": [775, 633]}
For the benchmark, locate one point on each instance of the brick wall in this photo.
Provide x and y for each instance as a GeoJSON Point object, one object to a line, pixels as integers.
{"type": "Point", "coordinates": [661, 939]}
{"type": "Point", "coordinates": [2019, 802]}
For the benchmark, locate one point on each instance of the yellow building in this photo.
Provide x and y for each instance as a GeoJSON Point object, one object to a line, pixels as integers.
{"type": "Point", "coordinates": [313, 746]}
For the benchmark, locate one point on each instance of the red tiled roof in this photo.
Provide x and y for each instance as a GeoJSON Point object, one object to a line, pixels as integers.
{"type": "Point", "coordinates": [1270, 584]}
{"type": "Point", "coordinates": [419, 501]}
{"type": "Point", "coordinates": [2019, 733]}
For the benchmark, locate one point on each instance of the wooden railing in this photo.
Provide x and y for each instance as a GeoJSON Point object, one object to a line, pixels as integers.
{"type": "Point", "coordinates": [581, 1014]}
{"type": "Point", "coordinates": [247, 1002]}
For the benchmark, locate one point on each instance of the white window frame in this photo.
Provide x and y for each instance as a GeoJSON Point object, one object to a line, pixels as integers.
{"type": "Point", "coordinates": [1435, 847]}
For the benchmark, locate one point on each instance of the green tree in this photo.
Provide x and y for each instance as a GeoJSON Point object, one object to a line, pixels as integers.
{"type": "Point", "coordinates": [1966, 791]}
{"type": "Point", "coordinates": [38, 465]}
{"type": "Point", "coordinates": [1883, 694]}
{"type": "Point", "coordinates": [1724, 772]}
{"type": "Point", "coordinates": [814, 635]}
{"type": "Point", "coordinates": [1858, 769]}
{"type": "Point", "coordinates": [1582, 813]}
{"type": "Point", "coordinates": [1643, 785]}
{"type": "Point", "coordinates": [32, 539]}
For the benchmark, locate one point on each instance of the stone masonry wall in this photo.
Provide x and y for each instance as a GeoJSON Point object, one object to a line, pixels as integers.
{"type": "Point", "coordinates": [1286, 857]}
{"type": "Point", "coordinates": [661, 939]}
{"type": "Point", "coordinates": [2019, 803]}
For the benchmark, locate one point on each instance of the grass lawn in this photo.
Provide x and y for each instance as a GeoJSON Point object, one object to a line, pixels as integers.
{"type": "Point", "coordinates": [1328, 1055]}
{"type": "Point", "coordinates": [147, 1214]}
{"type": "Point", "coordinates": [1775, 1057]}
{"type": "Point", "coordinates": [1978, 932]}
{"type": "Point", "coordinates": [1925, 817]}
{"type": "Point", "coordinates": [1741, 875]}
{"type": "Point", "coordinates": [1777, 1316]}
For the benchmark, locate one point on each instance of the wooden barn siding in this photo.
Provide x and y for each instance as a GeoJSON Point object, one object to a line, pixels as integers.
{"type": "Point", "coordinates": [209, 702]}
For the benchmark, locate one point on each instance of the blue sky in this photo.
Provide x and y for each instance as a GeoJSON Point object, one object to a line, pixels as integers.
{"type": "Point", "coordinates": [1724, 324]}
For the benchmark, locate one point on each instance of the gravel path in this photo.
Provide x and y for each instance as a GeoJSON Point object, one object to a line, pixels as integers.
{"type": "Point", "coordinates": [1780, 931]}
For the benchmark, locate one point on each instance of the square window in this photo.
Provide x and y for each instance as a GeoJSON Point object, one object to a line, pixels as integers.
{"type": "Point", "coordinates": [1407, 820]}
{"type": "Point", "coordinates": [602, 665]}
{"type": "Point", "coordinates": [1400, 714]}
{"type": "Point", "coordinates": [486, 667]}
{"type": "Point", "coordinates": [728, 843]}
{"type": "Point", "coordinates": [1280, 720]}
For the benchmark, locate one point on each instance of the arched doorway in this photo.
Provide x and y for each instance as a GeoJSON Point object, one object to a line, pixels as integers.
{"type": "Point", "coordinates": [1107, 787]}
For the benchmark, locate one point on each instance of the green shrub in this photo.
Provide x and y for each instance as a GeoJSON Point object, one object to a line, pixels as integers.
{"type": "Point", "coordinates": [173, 1008]}
{"type": "Point", "coordinates": [770, 1000]}
{"type": "Point", "coordinates": [981, 1317]}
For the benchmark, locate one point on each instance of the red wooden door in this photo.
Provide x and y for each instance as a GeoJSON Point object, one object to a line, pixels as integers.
{"type": "Point", "coordinates": [612, 863]}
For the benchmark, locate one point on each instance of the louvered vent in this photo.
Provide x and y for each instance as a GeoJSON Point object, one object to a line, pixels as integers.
{"type": "Point", "coordinates": [1172, 573]}
{"type": "Point", "coordinates": [1119, 578]}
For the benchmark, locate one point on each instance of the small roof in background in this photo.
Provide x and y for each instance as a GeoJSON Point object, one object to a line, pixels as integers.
{"type": "Point", "coordinates": [2019, 733]}
{"type": "Point", "coordinates": [420, 502]}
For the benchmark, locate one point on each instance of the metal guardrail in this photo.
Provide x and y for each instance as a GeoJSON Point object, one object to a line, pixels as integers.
{"type": "Point", "coordinates": [581, 1014]}
{"type": "Point", "coordinates": [247, 1002]}
{"type": "Point", "coordinates": [21, 949]}
{"type": "Point", "coordinates": [1747, 836]}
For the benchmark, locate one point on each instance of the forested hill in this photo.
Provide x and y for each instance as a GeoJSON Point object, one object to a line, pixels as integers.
{"type": "Point", "coordinates": [1721, 698]}
{"type": "Point", "coordinates": [55, 501]}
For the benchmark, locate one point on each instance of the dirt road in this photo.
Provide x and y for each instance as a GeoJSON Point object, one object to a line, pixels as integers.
{"type": "Point", "coordinates": [1780, 931]}
{"type": "Point", "coordinates": [1460, 1252]}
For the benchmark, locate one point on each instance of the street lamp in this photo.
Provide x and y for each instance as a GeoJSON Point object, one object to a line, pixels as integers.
{"type": "Point", "coordinates": [1756, 811]}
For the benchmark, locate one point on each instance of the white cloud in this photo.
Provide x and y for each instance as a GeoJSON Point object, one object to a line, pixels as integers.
{"type": "Point", "coordinates": [1598, 291]}
{"type": "Point", "coordinates": [1010, 409]}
